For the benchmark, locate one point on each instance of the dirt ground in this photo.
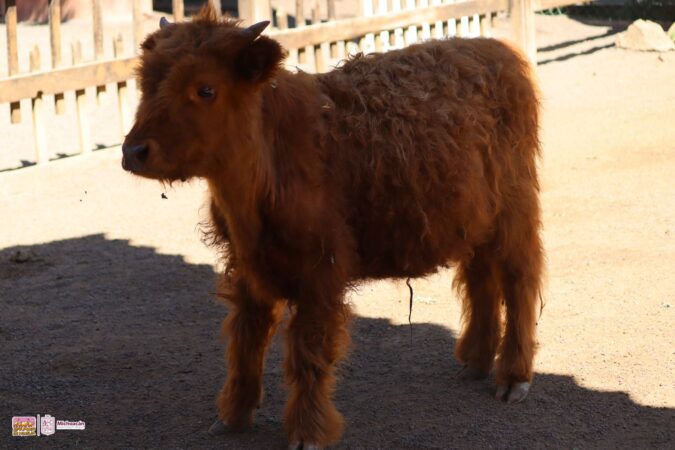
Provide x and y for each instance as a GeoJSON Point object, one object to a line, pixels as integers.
{"type": "Point", "coordinates": [106, 312]}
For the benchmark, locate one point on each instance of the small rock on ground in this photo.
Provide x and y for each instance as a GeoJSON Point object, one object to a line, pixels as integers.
{"type": "Point", "coordinates": [645, 35]}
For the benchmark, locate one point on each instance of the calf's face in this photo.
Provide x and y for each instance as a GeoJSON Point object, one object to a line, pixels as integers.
{"type": "Point", "coordinates": [199, 84]}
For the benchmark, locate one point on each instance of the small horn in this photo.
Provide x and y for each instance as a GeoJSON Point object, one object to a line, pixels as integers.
{"type": "Point", "coordinates": [254, 30]}
{"type": "Point", "coordinates": [163, 23]}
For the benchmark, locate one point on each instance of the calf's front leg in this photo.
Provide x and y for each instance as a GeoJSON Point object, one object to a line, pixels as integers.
{"type": "Point", "coordinates": [248, 328]}
{"type": "Point", "coordinates": [317, 338]}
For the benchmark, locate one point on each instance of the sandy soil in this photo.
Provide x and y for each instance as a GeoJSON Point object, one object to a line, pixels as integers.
{"type": "Point", "coordinates": [106, 314]}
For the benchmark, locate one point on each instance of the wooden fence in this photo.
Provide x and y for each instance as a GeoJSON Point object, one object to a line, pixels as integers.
{"type": "Point", "coordinates": [314, 45]}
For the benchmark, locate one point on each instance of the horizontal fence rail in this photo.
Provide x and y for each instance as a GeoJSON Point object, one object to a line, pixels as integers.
{"type": "Point", "coordinates": [99, 73]}
{"type": "Point", "coordinates": [71, 78]}
{"type": "Point", "coordinates": [313, 44]}
{"type": "Point", "coordinates": [342, 30]}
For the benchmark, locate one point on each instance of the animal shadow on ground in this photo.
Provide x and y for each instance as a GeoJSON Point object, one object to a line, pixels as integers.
{"type": "Point", "coordinates": [126, 339]}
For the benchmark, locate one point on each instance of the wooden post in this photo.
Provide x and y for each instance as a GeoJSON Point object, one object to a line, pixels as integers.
{"type": "Point", "coordinates": [12, 54]}
{"type": "Point", "coordinates": [98, 43]}
{"type": "Point", "coordinates": [38, 113]}
{"type": "Point", "coordinates": [84, 134]}
{"type": "Point", "coordinates": [217, 6]}
{"type": "Point", "coordinates": [260, 10]}
{"type": "Point", "coordinates": [178, 10]}
{"type": "Point", "coordinates": [522, 23]}
{"type": "Point", "coordinates": [122, 90]}
{"type": "Point", "coordinates": [55, 41]}
{"type": "Point", "coordinates": [253, 11]}
{"type": "Point", "coordinates": [137, 14]}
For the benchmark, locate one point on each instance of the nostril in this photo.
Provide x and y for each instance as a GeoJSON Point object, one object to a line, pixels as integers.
{"type": "Point", "coordinates": [135, 151]}
{"type": "Point", "coordinates": [134, 156]}
{"type": "Point", "coordinates": [142, 154]}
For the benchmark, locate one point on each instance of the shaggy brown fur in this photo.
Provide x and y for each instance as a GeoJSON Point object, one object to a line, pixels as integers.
{"type": "Point", "coordinates": [392, 165]}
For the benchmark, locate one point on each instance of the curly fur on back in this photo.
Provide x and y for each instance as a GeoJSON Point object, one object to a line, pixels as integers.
{"type": "Point", "coordinates": [391, 165]}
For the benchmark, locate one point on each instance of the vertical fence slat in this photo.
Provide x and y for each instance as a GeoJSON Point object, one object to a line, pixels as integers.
{"type": "Point", "coordinates": [122, 90]}
{"type": "Point", "coordinates": [398, 32]}
{"type": "Point", "coordinates": [338, 47]}
{"type": "Point", "coordinates": [55, 42]}
{"type": "Point", "coordinates": [341, 50]}
{"type": "Point", "coordinates": [330, 9]}
{"type": "Point", "coordinates": [426, 27]}
{"type": "Point", "coordinates": [411, 35]}
{"type": "Point", "coordinates": [485, 25]}
{"type": "Point", "coordinates": [293, 61]}
{"type": "Point", "coordinates": [452, 23]}
{"type": "Point", "coordinates": [522, 23]}
{"type": "Point", "coordinates": [98, 43]}
{"type": "Point", "coordinates": [282, 18]}
{"type": "Point", "coordinates": [12, 54]}
{"type": "Point", "coordinates": [438, 26]}
{"type": "Point", "coordinates": [178, 10]}
{"type": "Point", "coordinates": [299, 13]}
{"type": "Point", "coordinates": [216, 5]}
{"type": "Point", "coordinates": [464, 30]}
{"type": "Point", "coordinates": [137, 15]}
{"type": "Point", "coordinates": [368, 42]}
{"type": "Point", "coordinates": [83, 132]}
{"type": "Point", "coordinates": [319, 60]}
{"type": "Point", "coordinates": [322, 52]}
{"type": "Point", "coordinates": [38, 113]}
{"type": "Point", "coordinates": [382, 39]}
{"type": "Point", "coordinates": [310, 58]}
{"type": "Point", "coordinates": [475, 25]}
{"type": "Point", "coordinates": [253, 11]}
{"type": "Point", "coordinates": [297, 54]}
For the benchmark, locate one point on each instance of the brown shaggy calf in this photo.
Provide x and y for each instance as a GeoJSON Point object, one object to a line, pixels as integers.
{"type": "Point", "coordinates": [392, 165]}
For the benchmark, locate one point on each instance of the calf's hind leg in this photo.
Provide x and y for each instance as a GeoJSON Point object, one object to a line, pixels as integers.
{"type": "Point", "coordinates": [480, 281]}
{"type": "Point", "coordinates": [249, 327]}
{"type": "Point", "coordinates": [521, 281]}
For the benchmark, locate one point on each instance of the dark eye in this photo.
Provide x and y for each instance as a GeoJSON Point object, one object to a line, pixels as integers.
{"type": "Point", "coordinates": [206, 92]}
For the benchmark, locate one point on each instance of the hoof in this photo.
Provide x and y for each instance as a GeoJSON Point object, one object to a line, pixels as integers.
{"type": "Point", "coordinates": [303, 446]}
{"type": "Point", "coordinates": [512, 393]}
{"type": "Point", "coordinates": [467, 373]}
{"type": "Point", "coordinates": [218, 428]}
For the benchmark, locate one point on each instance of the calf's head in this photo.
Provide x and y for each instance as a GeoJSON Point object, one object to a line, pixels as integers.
{"type": "Point", "coordinates": [200, 84]}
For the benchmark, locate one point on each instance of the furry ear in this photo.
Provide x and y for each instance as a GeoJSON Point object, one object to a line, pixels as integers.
{"type": "Point", "coordinates": [259, 60]}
